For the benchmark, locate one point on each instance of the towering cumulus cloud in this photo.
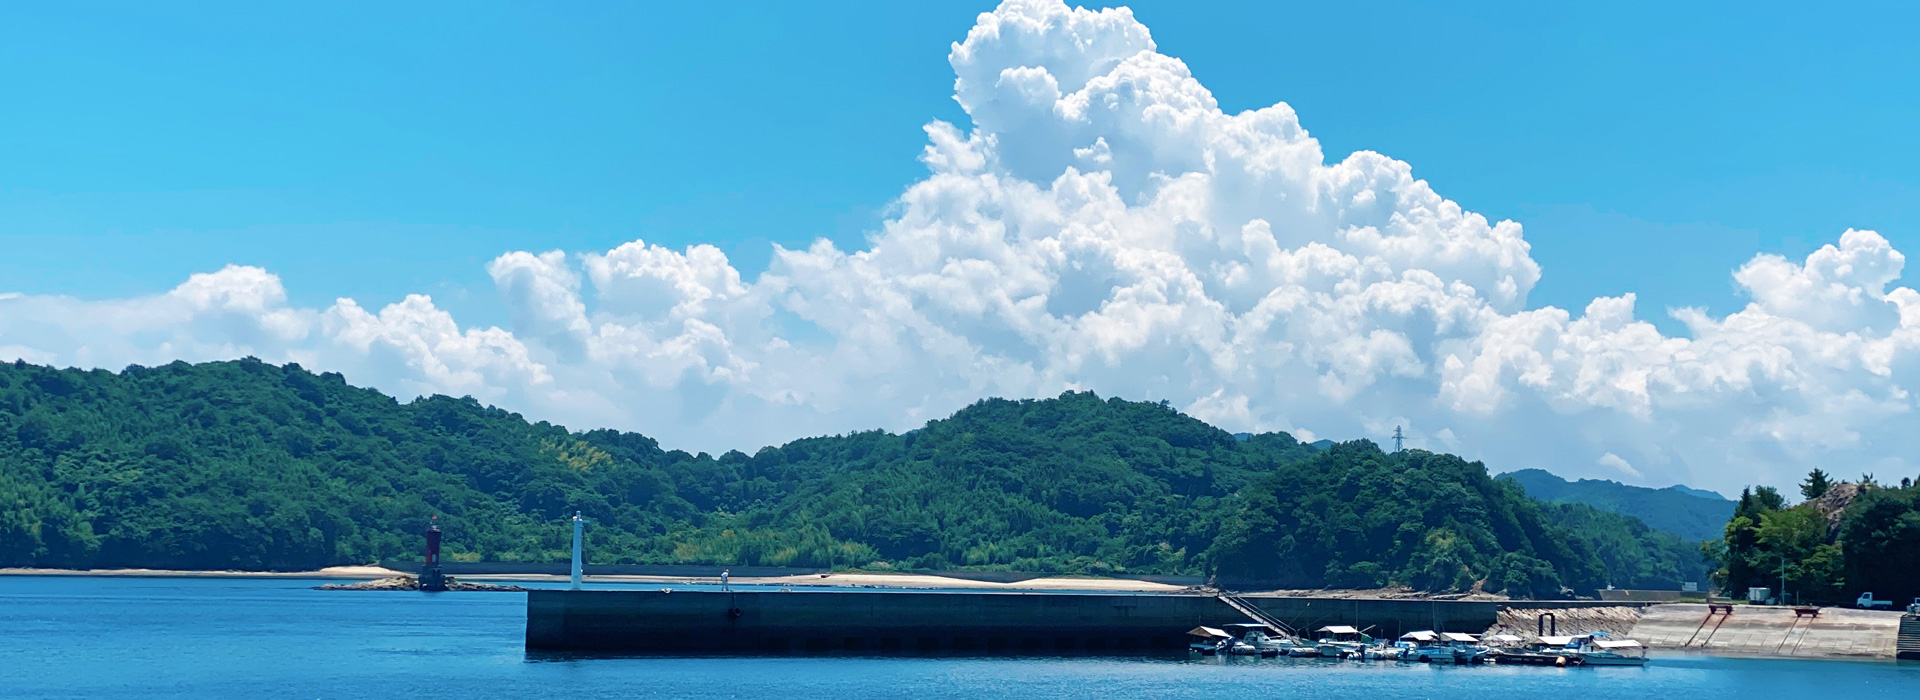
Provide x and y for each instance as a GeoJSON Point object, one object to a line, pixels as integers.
{"type": "Point", "coordinates": [1104, 225]}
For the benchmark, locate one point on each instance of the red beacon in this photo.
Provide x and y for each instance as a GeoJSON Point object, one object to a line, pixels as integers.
{"type": "Point", "coordinates": [431, 577]}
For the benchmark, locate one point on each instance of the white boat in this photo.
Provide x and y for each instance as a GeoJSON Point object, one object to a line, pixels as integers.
{"type": "Point", "coordinates": [1265, 641]}
{"type": "Point", "coordinates": [1208, 641]}
{"type": "Point", "coordinates": [1467, 648]}
{"type": "Point", "coordinates": [1379, 652]}
{"type": "Point", "coordinates": [1341, 641]}
{"type": "Point", "coordinates": [1590, 650]}
{"type": "Point", "coordinates": [1425, 646]}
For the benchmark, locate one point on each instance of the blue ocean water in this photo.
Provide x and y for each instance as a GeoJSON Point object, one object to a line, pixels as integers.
{"type": "Point", "coordinates": [80, 637]}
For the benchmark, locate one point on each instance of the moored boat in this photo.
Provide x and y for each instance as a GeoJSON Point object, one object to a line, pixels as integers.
{"type": "Point", "coordinates": [1207, 641]}
{"type": "Point", "coordinates": [1339, 641]}
{"type": "Point", "coordinates": [1265, 641]}
{"type": "Point", "coordinates": [1596, 650]}
{"type": "Point", "coordinates": [1549, 651]}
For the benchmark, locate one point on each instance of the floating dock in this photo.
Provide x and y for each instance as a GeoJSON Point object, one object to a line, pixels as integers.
{"type": "Point", "coordinates": [762, 621]}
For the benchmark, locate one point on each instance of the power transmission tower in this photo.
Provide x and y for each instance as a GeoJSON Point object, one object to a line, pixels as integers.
{"type": "Point", "coordinates": [1397, 438]}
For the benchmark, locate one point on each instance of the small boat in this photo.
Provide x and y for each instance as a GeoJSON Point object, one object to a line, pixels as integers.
{"type": "Point", "coordinates": [1428, 646]}
{"type": "Point", "coordinates": [1549, 651]}
{"type": "Point", "coordinates": [1207, 641]}
{"type": "Point", "coordinates": [1266, 641]}
{"type": "Point", "coordinates": [1383, 652]}
{"type": "Point", "coordinates": [1467, 648]}
{"type": "Point", "coordinates": [1341, 641]}
{"type": "Point", "coordinates": [1592, 650]}
{"type": "Point", "coordinates": [1424, 646]}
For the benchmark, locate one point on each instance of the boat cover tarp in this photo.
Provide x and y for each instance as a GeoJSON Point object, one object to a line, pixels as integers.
{"type": "Point", "coordinates": [1421, 636]}
{"type": "Point", "coordinates": [1338, 629]}
{"type": "Point", "coordinates": [1556, 641]}
{"type": "Point", "coordinates": [1621, 644]}
{"type": "Point", "coordinates": [1459, 637]}
{"type": "Point", "coordinates": [1208, 632]}
{"type": "Point", "coordinates": [1505, 638]}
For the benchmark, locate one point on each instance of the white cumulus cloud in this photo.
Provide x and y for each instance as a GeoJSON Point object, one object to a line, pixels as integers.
{"type": "Point", "coordinates": [1102, 224]}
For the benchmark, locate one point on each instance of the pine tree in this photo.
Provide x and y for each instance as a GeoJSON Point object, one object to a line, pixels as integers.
{"type": "Point", "coordinates": [1816, 484]}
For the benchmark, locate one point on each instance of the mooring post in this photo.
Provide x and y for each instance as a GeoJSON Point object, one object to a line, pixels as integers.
{"type": "Point", "coordinates": [576, 549]}
{"type": "Point", "coordinates": [1540, 624]}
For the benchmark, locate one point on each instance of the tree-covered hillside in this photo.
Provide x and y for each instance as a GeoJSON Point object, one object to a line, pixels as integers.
{"type": "Point", "coordinates": [247, 465]}
{"type": "Point", "coordinates": [1691, 514]}
{"type": "Point", "coordinates": [1844, 539]}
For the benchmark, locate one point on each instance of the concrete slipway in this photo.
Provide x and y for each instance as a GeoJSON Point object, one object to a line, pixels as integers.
{"type": "Point", "coordinates": [1760, 630]}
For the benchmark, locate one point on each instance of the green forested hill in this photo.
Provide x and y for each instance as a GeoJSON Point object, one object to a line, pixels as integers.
{"type": "Point", "coordinates": [248, 465]}
{"type": "Point", "coordinates": [1685, 512]}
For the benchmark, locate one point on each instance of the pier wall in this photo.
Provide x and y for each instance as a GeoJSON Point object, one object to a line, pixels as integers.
{"type": "Point", "coordinates": [931, 621]}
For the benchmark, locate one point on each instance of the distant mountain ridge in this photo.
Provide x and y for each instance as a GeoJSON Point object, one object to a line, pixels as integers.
{"type": "Point", "coordinates": [1694, 514]}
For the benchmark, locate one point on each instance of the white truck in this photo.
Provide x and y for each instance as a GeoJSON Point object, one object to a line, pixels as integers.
{"type": "Point", "coordinates": [1866, 602]}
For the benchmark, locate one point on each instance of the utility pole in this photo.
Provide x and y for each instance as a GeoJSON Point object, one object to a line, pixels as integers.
{"type": "Point", "coordinates": [1397, 438]}
{"type": "Point", "coordinates": [1783, 578]}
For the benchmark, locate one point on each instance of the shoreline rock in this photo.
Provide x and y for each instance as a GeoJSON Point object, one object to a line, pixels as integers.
{"type": "Point", "coordinates": [409, 583]}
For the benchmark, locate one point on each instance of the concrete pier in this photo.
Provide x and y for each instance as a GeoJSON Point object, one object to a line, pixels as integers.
{"type": "Point", "coordinates": [941, 621]}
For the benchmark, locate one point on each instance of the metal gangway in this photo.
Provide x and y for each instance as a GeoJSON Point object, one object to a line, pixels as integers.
{"type": "Point", "coordinates": [1254, 613]}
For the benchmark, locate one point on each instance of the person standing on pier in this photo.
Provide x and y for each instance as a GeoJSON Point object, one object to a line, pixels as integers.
{"type": "Point", "coordinates": [723, 578]}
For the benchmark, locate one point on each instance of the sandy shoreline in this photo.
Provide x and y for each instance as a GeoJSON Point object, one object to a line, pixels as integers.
{"type": "Point", "coordinates": [863, 580]}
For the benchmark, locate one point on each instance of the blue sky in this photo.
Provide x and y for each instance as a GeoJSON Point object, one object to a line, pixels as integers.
{"type": "Point", "coordinates": [371, 151]}
{"type": "Point", "coordinates": [1093, 223]}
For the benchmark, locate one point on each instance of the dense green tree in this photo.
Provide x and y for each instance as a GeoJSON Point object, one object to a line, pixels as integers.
{"type": "Point", "coordinates": [1794, 545]}
{"type": "Point", "coordinates": [1816, 484]}
{"type": "Point", "coordinates": [1880, 543]}
{"type": "Point", "coordinates": [1876, 546]}
{"type": "Point", "coordinates": [246, 465]}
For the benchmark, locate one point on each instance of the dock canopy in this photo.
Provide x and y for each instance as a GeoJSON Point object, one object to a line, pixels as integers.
{"type": "Point", "coordinates": [1421, 636]}
{"type": "Point", "coordinates": [1556, 641]}
{"type": "Point", "coordinates": [1616, 644]}
{"type": "Point", "coordinates": [1209, 633]}
{"type": "Point", "coordinates": [1506, 638]}
{"type": "Point", "coordinates": [1459, 637]}
{"type": "Point", "coordinates": [1338, 629]}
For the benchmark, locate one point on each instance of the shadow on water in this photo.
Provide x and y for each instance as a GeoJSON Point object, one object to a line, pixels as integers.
{"type": "Point", "coordinates": [1161, 656]}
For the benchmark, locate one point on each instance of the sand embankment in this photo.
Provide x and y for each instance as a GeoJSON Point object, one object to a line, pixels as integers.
{"type": "Point", "coordinates": [365, 572]}
{"type": "Point", "coordinates": [859, 580]}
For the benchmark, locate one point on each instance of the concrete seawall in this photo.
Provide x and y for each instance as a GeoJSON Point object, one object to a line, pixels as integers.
{"type": "Point", "coordinates": [1760, 630]}
{"type": "Point", "coordinates": [940, 621]}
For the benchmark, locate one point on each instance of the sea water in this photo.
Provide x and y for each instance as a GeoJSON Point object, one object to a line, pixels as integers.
{"type": "Point", "coordinates": [101, 637]}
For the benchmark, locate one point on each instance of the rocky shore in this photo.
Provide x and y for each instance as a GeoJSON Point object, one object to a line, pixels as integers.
{"type": "Point", "coordinates": [1615, 621]}
{"type": "Point", "coordinates": [409, 583]}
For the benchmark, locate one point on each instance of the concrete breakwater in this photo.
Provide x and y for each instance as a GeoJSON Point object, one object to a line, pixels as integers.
{"type": "Point", "coordinates": [941, 621]}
